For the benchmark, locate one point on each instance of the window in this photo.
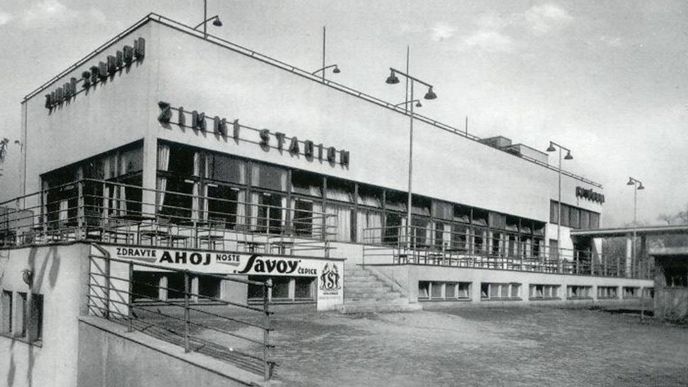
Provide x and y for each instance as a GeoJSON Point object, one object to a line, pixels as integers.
{"type": "Point", "coordinates": [676, 276]}
{"type": "Point", "coordinates": [267, 212]}
{"type": "Point", "coordinates": [303, 217]}
{"type": "Point", "coordinates": [284, 289]}
{"type": "Point", "coordinates": [543, 292]}
{"type": "Point", "coordinates": [145, 285]}
{"type": "Point", "coordinates": [36, 318]}
{"type": "Point", "coordinates": [224, 207]}
{"type": "Point", "coordinates": [578, 292]}
{"type": "Point", "coordinates": [209, 287]}
{"type": "Point", "coordinates": [303, 288]}
{"type": "Point", "coordinates": [6, 310]}
{"type": "Point", "coordinates": [500, 291]}
{"type": "Point", "coordinates": [631, 292]}
{"type": "Point", "coordinates": [226, 169]}
{"type": "Point", "coordinates": [607, 292]}
{"type": "Point", "coordinates": [269, 177]}
{"type": "Point", "coordinates": [307, 184]}
{"type": "Point", "coordinates": [443, 291]}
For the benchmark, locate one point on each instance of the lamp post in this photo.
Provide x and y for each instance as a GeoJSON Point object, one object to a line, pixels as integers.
{"type": "Point", "coordinates": [637, 186]}
{"type": "Point", "coordinates": [216, 20]}
{"type": "Point", "coordinates": [324, 66]}
{"type": "Point", "coordinates": [568, 156]}
{"type": "Point", "coordinates": [430, 95]}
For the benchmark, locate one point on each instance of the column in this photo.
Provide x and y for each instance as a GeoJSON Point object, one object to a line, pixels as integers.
{"type": "Point", "coordinates": [629, 255]}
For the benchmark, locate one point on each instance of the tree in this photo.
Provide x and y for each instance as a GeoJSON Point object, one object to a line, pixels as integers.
{"type": "Point", "coordinates": [3, 148]}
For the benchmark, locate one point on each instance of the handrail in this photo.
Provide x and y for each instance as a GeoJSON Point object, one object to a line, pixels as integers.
{"type": "Point", "coordinates": [295, 70]}
{"type": "Point", "coordinates": [102, 303]}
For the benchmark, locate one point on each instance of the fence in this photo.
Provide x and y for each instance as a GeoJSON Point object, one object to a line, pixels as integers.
{"type": "Point", "coordinates": [490, 249]}
{"type": "Point", "coordinates": [106, 211]}
{"type": "Point", "coordinates": [115, 294]}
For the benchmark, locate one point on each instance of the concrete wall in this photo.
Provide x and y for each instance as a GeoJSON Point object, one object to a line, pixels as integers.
{"type": "Point", "coordinates": [61, 277]}
{"type": "Point", "coordinates": [408, 276]}
{"type": "Point", "coordinates": [110, 114]}
{"type": "Point", "coordinates": [109, 356]}
{"type": "Point", "coordinates": [446, 166]}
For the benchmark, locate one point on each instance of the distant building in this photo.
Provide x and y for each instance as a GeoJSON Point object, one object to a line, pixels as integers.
{"type": "Point", "coordinates": [671, 283]}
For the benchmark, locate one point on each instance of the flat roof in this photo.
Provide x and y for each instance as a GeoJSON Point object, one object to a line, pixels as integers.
{"type": "Point", "coordinates": [622, 231]}
{"type": "Point", "coordinates": [295, 70]}
{"type": "Point", "coordinates": [679, 252]}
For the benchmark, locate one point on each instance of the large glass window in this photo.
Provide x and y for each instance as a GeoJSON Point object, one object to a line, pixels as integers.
{"type": "Point", "coordinates": [225, 205]}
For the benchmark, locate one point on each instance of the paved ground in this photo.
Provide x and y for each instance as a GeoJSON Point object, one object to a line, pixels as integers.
{"type": "Point", "coordinates": [476, 346]}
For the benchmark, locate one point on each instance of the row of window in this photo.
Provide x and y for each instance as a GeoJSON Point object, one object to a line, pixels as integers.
{"type": "Point", "coordinates": [21, 316]}
{"type": "Point", "coordinates": [447, 291]}
{"type": "Point", "coordinates": [195, 184]}
{"type": "Point", "coordinates": [573, 217]}
{"type": "Point", "coordinates": [169, 286]}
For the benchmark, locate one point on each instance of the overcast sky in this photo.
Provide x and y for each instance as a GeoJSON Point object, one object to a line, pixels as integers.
{"type": "Point", "coordinates": [608, 79]}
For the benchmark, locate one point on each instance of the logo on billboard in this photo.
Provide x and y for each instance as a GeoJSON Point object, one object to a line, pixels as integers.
{"type": "Point", "coordinates": [256, 264]}
{"type": "Point", "coordinates": [330, 278]}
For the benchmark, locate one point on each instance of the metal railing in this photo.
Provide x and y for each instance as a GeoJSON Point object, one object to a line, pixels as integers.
{"type": "Point", "coordinates": [480, 247]}
{"type": "Point", "coordinates": [115, 294]}
{"type": "Point", "coordinates": [107, 211]}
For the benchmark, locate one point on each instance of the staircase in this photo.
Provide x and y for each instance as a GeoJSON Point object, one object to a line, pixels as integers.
{"type": "Point", "coordinates": [365, 291]}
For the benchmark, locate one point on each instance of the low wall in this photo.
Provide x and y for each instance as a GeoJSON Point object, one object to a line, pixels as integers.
{"type": "Point", "coordinates": [110, 356]}
{"type": "Point", "coordinates": [408, 277]}
{"type": "Point", "coordinates": [60, 275]}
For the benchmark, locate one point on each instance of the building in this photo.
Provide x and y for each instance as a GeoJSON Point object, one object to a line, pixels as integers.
{"type": "Point", "coordinates": [170, 149]}
{"type": "Point", "coordinates": [671, 283]}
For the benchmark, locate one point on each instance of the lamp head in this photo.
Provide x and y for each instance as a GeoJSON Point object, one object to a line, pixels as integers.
{"type": "Point", "coordinates": [640, 186]}
{"type": "Point", "coordinates": [217, 22]}
{"type": "Point", "coordinates": [568, 156]}
{"type": "Point", "coordinates": [418, 104]}
{"type": "Point", "coordinates": [392, 79]}
{"type": "Point", "coordinates": [336, 69]}
{"type": "Point", "coordinates": [630, 181]}
{"type": "Point", "coordinates": [430, 94]}
{"type": "Point", "coordinates": [551, 147]}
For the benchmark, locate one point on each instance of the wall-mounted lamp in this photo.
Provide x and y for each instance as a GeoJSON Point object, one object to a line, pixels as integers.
{"type": "Point", "coordinates": [27, 276]}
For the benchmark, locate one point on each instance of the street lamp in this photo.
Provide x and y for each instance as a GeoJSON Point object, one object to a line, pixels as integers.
{"type": "Point", "coordinates": [568, 156]}
{"type": "Point", "coordinates": [637, 185]}
{"type": "Point", "coordinates": [336, 70]}
{"type": "Point", "coordinates": [216, 20]}
{"type": "Point", "coordinates": [429, 95]}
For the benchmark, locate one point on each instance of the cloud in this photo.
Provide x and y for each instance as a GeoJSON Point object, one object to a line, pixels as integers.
{"type": "Point", "coordinates": [49, 13]}
{"type": "Point", "coordinates": [494, 32]}
{"type": "Point", "coordinates": [541, 19]}
{"type": "Point", "coordinates": [5, 18]}
{"type": "Point", "coordinates": [611, 41]}
{"type": "Point", "coordinates": [490, 41]}
{"type": "Point", "coordinates": [442, 31]}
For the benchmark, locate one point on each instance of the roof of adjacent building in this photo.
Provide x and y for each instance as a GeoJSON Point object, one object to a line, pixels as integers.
{"type": "Point", "coordinates": [622, 231]}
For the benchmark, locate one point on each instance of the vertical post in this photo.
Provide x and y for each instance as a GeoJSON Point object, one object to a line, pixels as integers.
{"type": "Point", "coordinates": [266, 330]}
{"type": "Point", "coordinates": [205, 18]}
{"type": "Point", "coordinates": [107, 287]}
{"type": "Point", "coordinates": [635, 225]}
{"type": "Point", "coordinates": [186, 311]}
{"type": "Point", "coordinates": [559, 259]}
{"type": "Point", "coordinates": [409, 229]}
{"type": "Point", "coordinates": [81, 220]}
{"type": "Point", "coordinates": [323, 55]}
{"type": "Point", "coordinates": [130, 327]}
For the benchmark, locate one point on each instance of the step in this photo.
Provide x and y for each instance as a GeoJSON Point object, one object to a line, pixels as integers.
{"type": "Point", "coordinates": [363, 307]}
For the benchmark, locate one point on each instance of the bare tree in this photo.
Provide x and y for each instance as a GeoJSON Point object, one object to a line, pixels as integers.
{"type": "Point", "coordinates": [666, 218]}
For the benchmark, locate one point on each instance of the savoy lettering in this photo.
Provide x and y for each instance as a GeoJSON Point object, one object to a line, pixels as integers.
{"type": "Point", "coordinates": [266, 265]}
